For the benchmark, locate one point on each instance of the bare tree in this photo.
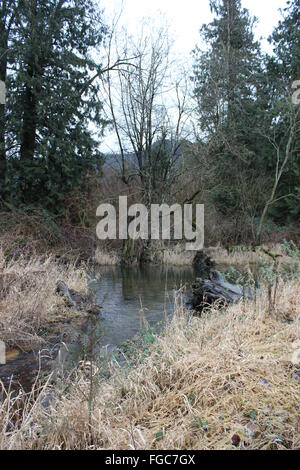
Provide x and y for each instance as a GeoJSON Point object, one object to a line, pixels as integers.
{"type": "Point", "coordinates": [283, 156]}
{"type": "Point", "coordinates": [148, 128]}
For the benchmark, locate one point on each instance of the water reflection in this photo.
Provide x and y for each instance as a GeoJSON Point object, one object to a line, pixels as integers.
{"type": "Point", "coordinates": [123, 292]}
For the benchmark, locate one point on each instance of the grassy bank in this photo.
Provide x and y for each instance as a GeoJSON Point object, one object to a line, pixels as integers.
{"type": "Point", "coordinates": [176, 255]}
{"type": "Point", "coordinates": [31, 311]}
{"type": "Point", "coordinates": [286, 253]}
{"type": "Point", "coordinates": [226, 380]}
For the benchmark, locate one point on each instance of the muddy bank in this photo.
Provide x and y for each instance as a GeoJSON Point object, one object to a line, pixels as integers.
{"type": "Point", "coordinates": [35, 316]}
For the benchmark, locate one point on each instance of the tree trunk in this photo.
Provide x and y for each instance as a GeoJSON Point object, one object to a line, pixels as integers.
{"type": "Point", "coordinates": [29, 119]}
{"type": "Point", "coordinates": [3, 71]}
{"type": "Point", "coordinates": [29, 123]}
{"type": "Point", "coordinates": [230, 73]}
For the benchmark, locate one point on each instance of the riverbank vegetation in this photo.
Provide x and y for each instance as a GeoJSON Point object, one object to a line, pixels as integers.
{"type": "Point", "coordinates": [32, 313]}
{"type": "Point", "coordinates": [227, 380]}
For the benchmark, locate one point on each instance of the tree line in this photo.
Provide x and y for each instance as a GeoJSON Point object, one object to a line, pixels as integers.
{"type": "Point", "coordinates": [248, 123]}
{"type": "Point", "coordinates": [228, 136]}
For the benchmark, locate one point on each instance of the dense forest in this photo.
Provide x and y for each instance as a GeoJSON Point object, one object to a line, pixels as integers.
{"type": "Point", "coordinates": [240, 155]}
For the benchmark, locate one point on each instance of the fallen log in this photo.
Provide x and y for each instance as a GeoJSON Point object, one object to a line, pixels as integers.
{"type": "Point", "coordinates": [216, 290]}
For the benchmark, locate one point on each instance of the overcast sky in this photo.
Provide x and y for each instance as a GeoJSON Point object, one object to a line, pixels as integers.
{"type": "Point", "coordinates": [185, 18]}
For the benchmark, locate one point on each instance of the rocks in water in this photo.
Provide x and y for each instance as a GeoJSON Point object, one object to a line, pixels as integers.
{"type": "Point", "coordinates": [77, 300]}
{"type": "Point", "coordinates": [215, 290]}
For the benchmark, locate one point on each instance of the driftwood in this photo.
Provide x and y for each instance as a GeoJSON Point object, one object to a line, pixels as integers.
{"type": "Point", "coordinates": [77, 300]}
{"type": "Point", "coordinates": [216, 290]}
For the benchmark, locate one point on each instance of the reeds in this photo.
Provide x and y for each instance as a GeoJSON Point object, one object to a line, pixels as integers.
{"type": "Point", "coordinates": [29, 304]}
{"type": "Point", "coordinates": [177, 256]}
{"type": "Point", "coordinates": [104, 258]}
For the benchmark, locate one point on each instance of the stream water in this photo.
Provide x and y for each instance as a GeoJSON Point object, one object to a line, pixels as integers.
{"type": "Point", "coordinates": [127, 295]}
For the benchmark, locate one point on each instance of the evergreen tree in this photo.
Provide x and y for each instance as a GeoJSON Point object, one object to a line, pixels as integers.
{"type": "Point", "coordinates": [283, 69]}
{"type": "Point", "coordinates": [227, 76]}
{"type": "Point", "coordinates": [286, 42]}
{"type": "Point", "coordinates": [8, 10]}
{"type": "Point", "coordinates": [226, 73]}
{"type": "Point", "coordinates": [53, 99]}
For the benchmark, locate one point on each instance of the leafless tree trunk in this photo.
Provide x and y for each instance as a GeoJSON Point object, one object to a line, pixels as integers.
{"type": "Point", "coordinates": [149, 134]}
{"type": "Point", "coordinates": [281, 162]}
{"type": "Point", "coordinates": [139, 112]}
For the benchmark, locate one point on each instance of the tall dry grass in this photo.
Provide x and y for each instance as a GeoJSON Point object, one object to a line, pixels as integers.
{"type": "Point", "coordinates": [222, 381]}
{"type": "Point", "coordinates": [105, 258]}
{"type": "Point", "coordinates": [29, 304]}
{"type": "Point", "coordinates": [177, 256]}
{"type": "Point", "coordinates": [246, 256]}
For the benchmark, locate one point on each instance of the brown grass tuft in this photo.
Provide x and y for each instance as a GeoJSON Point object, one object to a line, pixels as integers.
{"type": "Point", "coordinates": [177, 256]}
{"type": "Point", "coordinates": [29, 304]}
{"type": "Point", "coordinates": [104, 258]}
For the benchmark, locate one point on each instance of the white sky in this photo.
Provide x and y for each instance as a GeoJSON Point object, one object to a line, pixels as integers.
{"type": "Point", "coordinates": [185, 18]}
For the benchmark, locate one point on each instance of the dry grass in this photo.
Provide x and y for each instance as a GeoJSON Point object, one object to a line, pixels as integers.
{"type": "Point", "coordinates": [29, 305]}
{"type": "Point", "coordinates": [104, 258]}
{"type": "Point", "coordinates": [177, 256]}
{"type": "Point", "coordinates": [204, 381]}
{"type": "Point", "coordinates": [243, 256]}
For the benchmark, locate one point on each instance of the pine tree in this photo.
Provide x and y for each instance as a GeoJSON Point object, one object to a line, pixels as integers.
{"type": "Point", "coordinates": [7, 18]}
{"type": "Point", "coordinates": [53, 99]}
{"type": "Point", "coordinates": [283, 69]}
{"type": "Point", "coordinates": [227, 74]}
{"type": "Point", "coordinates": [286, 42]}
